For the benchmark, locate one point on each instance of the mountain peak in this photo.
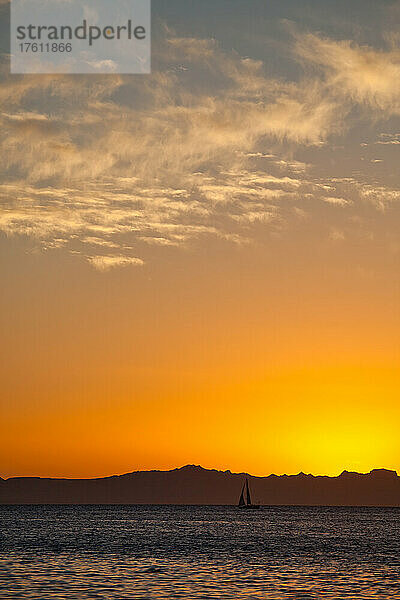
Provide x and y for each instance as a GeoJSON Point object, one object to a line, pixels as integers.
{"type": "Point", "coordinates": [387, 473]}
{"type": "Point", "coordinates": [195, 468]}
{"type": "Point", "coordinates": [381, 473]}
{"type": "Point", "coordinates": [193, 484]}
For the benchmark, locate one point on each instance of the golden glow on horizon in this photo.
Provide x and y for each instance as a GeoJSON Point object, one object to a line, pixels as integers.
{"type": "Point", "coordinates": [320, 423]}
{"type": "Point", "coordinates": [204, 262]}
{"type": "Point", "coordinates": [212, 377]}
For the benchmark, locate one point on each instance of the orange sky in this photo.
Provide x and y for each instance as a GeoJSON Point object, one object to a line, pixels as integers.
{"type": "Point", "coordinates": [229, 364]}
{"type": "Point", "coordinates": [201, 265]}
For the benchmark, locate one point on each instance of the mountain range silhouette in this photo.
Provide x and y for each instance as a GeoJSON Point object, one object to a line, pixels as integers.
{"type": "Point", "coordinates": [193, 484]}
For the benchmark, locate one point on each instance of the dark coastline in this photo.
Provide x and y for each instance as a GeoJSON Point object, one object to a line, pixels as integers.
{"type": "Point", "coordinates": [193, 485]}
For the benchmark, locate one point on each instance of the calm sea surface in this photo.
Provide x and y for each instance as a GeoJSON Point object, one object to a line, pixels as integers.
{"type": "Point", "coordinates": [121, 552]}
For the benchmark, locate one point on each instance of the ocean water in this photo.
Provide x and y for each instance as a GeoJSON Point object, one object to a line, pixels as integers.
{"type": "Point", "coordinates": [154, 552]}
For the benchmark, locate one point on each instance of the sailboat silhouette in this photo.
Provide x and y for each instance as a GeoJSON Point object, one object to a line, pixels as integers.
{"type": "Point", "coordinates": [245, 498]}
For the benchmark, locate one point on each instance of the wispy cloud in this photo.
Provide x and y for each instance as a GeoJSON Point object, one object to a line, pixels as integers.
{"type": "Point", "coordinates": [365, 75]}
{"type": "Point", "coordinates": [337, 201]}
{"type": "Point", "coordinates": [105, 263]}
{"type": "Point", "coordinates": [202, 147]}
{"type": "Point", "coordinates": [389, 139]}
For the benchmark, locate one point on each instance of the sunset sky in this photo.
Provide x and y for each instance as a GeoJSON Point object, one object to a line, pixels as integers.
{"type": "Point", "coordinates": [201, 265]}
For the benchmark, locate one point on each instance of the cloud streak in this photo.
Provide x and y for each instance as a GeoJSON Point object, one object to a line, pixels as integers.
{"type": "Point", "coordinates": [106, 263]}
{"type": "Point", "coordinates": [361, 73]}
{"type": "Point", "coordinates": [202, 147]}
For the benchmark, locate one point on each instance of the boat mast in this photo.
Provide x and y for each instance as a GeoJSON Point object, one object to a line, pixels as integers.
{"type": "Point", "coordinates": [248, 492]}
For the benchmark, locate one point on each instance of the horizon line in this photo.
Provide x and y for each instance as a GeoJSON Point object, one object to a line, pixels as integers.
{"type": "Point", "coordinates": [192, 465]}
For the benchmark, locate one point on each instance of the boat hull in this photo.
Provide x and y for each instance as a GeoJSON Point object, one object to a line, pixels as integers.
{"type": "Point", "coordinates": [250, 506]}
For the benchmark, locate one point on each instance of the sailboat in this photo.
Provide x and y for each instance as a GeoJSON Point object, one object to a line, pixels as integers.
{"type": "Point", "coordinates": [245, 498]}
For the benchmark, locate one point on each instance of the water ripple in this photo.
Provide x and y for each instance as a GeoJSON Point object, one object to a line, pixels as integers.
{"type": "Point", "coordinates": [167, 552]}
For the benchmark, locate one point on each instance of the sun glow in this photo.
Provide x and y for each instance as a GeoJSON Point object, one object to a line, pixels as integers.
{"type": "Point", "coordinates": [201, 265]}
{"type": "Point", "coordinates": [320, 422]}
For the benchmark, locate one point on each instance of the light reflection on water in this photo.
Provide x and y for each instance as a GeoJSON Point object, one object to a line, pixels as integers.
{"type": "Point", "coordinates": [124, 552]}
